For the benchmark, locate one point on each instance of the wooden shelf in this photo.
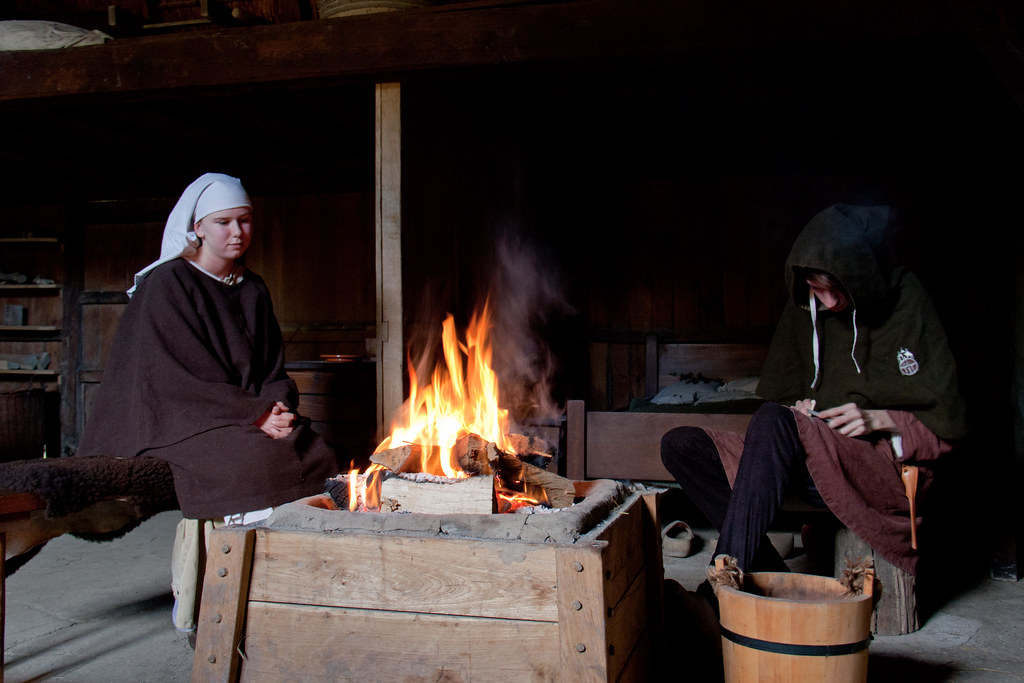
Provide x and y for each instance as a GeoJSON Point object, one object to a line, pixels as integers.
{"type": "Point", "coordinates": [29, 328]}
{"type": "Point", "coordinates": [28, 287]}
{"type": "Point", "coordinates": [28, 240]}
{"type": "Point", "coordinates": [32, 373]}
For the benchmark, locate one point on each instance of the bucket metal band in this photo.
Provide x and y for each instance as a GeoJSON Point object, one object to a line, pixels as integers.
{"type": "Point", "coordinates": [792, 649]}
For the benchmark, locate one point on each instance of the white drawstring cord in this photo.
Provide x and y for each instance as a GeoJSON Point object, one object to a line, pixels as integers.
{"type": "Point", "coordinates": [814, 338]}
{"type": "Point", "coordinates": [815, 345]}
{"type": "Point", "coordinates": [853, 351]}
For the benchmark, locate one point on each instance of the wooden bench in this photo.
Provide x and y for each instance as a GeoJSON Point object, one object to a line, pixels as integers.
{"type": "Point", "coordinates": [627, 445]}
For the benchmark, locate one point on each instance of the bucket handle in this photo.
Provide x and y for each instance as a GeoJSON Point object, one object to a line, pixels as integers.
{"type": "Point", "coordinates": [869, 581]}
{"type": "Point", "coordinates": [859, 576]}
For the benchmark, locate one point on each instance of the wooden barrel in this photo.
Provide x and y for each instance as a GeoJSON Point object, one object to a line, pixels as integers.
{"type": "Point", "coordinates": [794, 627]}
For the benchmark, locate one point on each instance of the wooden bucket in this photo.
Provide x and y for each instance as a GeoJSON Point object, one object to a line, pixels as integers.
{"type": "Point", "coordinates": [794, 627]}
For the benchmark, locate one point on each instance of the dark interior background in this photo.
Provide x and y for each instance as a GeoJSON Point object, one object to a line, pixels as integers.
{"type": "Point", "coordinates": [601, 199]}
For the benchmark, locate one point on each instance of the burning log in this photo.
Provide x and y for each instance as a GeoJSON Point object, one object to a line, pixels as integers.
{"type": "Point", "coordinates": [490, 480]}
{"type": "Point", "coordinates": [396, 459]}
{"type": "Point", "coordinates": [474, 456]}
{"type": "Point", "coordinates": [473, 495]}
{"type": "Point", "coordinates": [417, 492]}
{"type": "Point", "coordinates": [533, 449]}
{"type": "Point", "coordinates": [470, 452]}
{"type": "Point", "coordinates": [558, 492]}
{"type": "Point", "coordinates": [451, 451]}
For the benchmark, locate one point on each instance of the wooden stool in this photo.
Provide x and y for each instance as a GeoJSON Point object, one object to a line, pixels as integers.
{"type": "Point", "coordinates": [896, 611]}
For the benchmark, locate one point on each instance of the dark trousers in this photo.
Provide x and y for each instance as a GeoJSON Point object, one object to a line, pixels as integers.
{"type": "Point", "coordinates": [773, 464]}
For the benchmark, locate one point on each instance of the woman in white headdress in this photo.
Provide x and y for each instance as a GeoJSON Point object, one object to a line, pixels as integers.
{"type": "Point", "coordinates": [195, 376]}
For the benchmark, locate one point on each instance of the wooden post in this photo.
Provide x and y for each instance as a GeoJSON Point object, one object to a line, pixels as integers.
{"type": "Point", "coordinates": [222, 611]}
{"type": "Point", "coordinates": [650, 365]}
{"type": "Point", "coordinates": [654, 561]}
{"type": "Point", "coordinates": [654, 566]}
{"type": "Point", "coordinates": [896, 609]}
{"type": "Point", "coordinates": [581, 612]}
{"type": "Point", "coordinates": [3, 600]}
{"type": "Point", "coordinates": [72, 413]}
{"type": "Point", "coordinates": [576, 440]}
{"type": "Point", "coordinates": [388, 218]}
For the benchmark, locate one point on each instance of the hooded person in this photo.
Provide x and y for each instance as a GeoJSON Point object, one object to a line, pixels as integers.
{"type": "Point", "coordinates": [886, 350]}
{"type": "Point", "coordinates": [860, 381]}
{"type": "Point", "coordinates": [195, 375]}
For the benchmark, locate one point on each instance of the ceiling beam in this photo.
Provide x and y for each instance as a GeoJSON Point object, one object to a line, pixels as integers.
{"type": "Point", "coordinates": [389, 46]}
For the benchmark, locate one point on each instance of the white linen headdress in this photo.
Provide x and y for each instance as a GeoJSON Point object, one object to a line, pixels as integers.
{"type": "Point", "coordinates": [207, 194]}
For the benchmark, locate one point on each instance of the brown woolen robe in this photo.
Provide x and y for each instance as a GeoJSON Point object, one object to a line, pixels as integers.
{"type": "Point", "coordinates": [193, 366]}
{"type": "Point", "coordinates": [859, 479]}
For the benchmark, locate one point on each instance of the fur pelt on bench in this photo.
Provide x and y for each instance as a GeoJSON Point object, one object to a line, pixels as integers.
{"type": "Point", "coordinates": [69, 485]}
{"type": "Point", "coordinates": [98, 498]}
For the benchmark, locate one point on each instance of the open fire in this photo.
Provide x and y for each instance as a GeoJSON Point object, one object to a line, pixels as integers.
{"type": "Point", "coordinates": [452, 431]}
{"type": "Point", "coordinates": [446, 592]}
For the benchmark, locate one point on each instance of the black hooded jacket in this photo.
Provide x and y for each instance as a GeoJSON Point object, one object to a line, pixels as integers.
{"type": "Point", "coordinates": [887, 350]}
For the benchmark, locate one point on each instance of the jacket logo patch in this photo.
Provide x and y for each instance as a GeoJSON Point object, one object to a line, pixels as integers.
{"type": "Point", "coordinates": [908, 364]}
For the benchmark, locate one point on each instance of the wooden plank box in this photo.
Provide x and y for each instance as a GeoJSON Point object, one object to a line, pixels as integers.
{"type": "Point", "coordinates": [303, 605]}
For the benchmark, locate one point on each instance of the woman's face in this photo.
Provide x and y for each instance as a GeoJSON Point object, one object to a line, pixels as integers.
{"type": "Point", "coordinates": [226, 234]}
{"type": "Point", "coordinates": [831, 297]}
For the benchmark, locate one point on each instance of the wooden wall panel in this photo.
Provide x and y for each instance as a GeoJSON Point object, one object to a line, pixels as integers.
{"type": "Point", "coordinates": [665, 262]}
{"type": "Point", "coordinates": [616, 374]}
{"type": "Point", "coordinates": [339, 400]}
{"type": "Point", "coordinates": [99, 322]}
{"type": "Point", "coordinates": [644, 239]}
{"type": "Point", "coordinates": [113, 252]}
{"type": "Point", "coordinates": [669, 199]}
{"type": "Point", "coordinates": [316, 255]}
{"type": "Point", "coordinates": [34, 220]}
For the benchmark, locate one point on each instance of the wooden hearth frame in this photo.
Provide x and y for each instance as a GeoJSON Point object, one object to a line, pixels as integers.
{"type": "Point", "coordinates": [281, 603]}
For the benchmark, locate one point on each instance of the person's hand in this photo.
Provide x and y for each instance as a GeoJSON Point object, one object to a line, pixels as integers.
{"type": "Point", "coordinates": [277, 423]}
{"type": "Point", "coordinates": [850, 419]}
{"type": "Point", "coordinates": [805, 406]}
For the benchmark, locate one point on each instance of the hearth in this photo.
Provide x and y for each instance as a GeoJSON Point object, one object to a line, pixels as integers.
{"type": "Point", "coordinates": [327, 594]}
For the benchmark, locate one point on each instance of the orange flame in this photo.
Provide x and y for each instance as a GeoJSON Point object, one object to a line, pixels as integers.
{"type": "Point", "coordinates": [353, 489]}
{"type": "Point", "coordinates": [461, 398]}
{"type": "Point", "coordinates": [510, 502]}
{"type": "Point", "coordinates": [371, 487]}
{"type": "Point", "coordinates": [364, 491]}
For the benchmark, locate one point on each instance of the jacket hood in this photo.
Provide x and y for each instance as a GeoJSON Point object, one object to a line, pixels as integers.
{"type": "Point", "coordinates": [846, 242]}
